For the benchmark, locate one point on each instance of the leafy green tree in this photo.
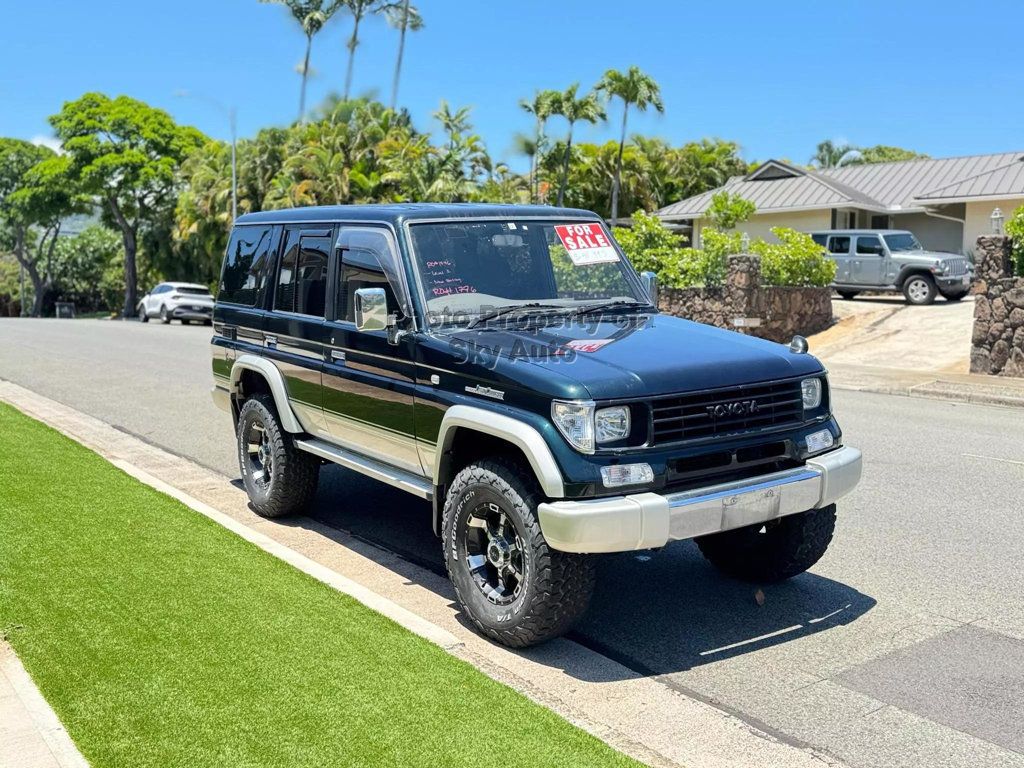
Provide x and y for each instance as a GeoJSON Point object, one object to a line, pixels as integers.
{"type": "Point", "coordinates": [832, 155]}
{"type": "Point", "coordinates": [575, 109]}
{"type": "Point", "coordinates": [359, 9]}
{"type": "Point", "coordinates": [404, 17]}
{"type": "Point", "coordinates": [542, 106]}
{"type": "Point", "coordinates": [635, 89]}
{"type": "Point", "coordinates": [881, 153]}
{"type": "Point", "coordinates": [36, 194]}
{"type": "Point", "coordinates": [727, 210]}
{"type": "Point", "coordinates": [1015, 229]}
{"type": "Point", "coordinates": [126, 155]}
{"type": "Point", "coordinates": [699, 166]}
{"type": "Point", "coordinates": [311, 15]}
{"type": "Point", "coordinates": [86, 269]}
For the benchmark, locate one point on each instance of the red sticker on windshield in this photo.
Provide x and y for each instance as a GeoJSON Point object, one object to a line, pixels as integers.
{"type": "Point", "coordinates": [586, 243]}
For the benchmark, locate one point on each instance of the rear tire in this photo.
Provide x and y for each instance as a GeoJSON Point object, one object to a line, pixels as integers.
{"type": "Point", "coordinates": [774, 551]}
{"type": "Point", "coordinates": [848, 295]}
{"type": "Point", "coordinates": [511, 584]}
{"type": "Point", "coordinates": [920, 289]}
{"type": "Point", "coordinates": [186, 322]}
{"type": "Point", "coordinates": [279, 478]}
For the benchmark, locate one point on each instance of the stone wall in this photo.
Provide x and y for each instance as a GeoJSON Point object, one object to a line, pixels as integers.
{"type": "Point", "coordinates": [742, 304]}
{"type": "Point", "coordinates": [997, 344]}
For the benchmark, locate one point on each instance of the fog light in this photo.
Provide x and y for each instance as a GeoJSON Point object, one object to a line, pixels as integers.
{"type": "Point", "coordinates": [820, 441]}
{"type": "Point", "coordinates": [626, 474]}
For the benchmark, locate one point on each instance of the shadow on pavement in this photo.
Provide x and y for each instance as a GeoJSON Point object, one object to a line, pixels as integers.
{"type": "Point", "coordinates": [655, 612]}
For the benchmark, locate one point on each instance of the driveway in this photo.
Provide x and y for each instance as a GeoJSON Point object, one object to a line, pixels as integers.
{"type": "Point", "coordinates": [904, 646]}
{"type": "Point", "coordinates": [886, 332]}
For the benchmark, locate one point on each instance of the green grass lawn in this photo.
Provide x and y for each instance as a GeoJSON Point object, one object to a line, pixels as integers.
{"type": "Point", "coordinates": [161, 639]}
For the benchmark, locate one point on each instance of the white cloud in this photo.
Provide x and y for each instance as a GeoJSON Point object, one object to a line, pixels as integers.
{"type": "Point", "coordinates": [47, 141]}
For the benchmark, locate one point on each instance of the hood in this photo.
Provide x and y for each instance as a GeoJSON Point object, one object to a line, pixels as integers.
{"type": "Point", "coordinates": [643, 355]}
{"type": "Point", "coordinates": [925, 256]}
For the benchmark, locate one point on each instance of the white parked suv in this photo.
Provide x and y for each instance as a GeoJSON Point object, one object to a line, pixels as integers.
{"type": "Point", "coordinates": [177, 301]}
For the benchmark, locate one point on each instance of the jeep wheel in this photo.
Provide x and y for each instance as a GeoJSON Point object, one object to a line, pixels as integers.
{"type": "Point", "coordinates": [848, 295]}
{"type": "Point", "coordinates": [954, 296]}
{"type": "Point", "coordinates": [773, 551]}
{"type": "Point", "coordinates": [165, 317]}
{"type": "Point", "coordinates": [279, 478]}
{"type": "Point", "coordinates": [919, 289]}
{"type": "Point", "coordinates": [513, 586]}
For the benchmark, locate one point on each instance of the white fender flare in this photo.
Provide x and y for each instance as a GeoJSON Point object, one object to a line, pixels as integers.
{"type": "Point", "coordinates": [275, 380]}
{"type": "Point", "coordinates": [519, 433]}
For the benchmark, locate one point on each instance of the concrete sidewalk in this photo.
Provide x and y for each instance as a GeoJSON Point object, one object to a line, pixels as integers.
{"type": "Point", "coordinates": [961, 387]}
{"type": "Point", "coordinates": [31, 735]}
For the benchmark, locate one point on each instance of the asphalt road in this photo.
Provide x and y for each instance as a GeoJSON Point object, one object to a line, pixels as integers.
{"type": "Point", "coordinates": [903, 647]}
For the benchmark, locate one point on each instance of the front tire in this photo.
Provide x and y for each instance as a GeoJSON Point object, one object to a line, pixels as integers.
{"type": "Point", "coordinates": [143, 317]}
{"type": "Point", "coordinates": [848, 295]}
{"type": "Point", "coordinates": [511, 584]}
{"type": "Point", "coordinates": [919, 289]}
{"type": "Point", "coordinates": [279, 478]}
{"type": "Point", "coordinates": [954, 296]}
{"type": "Point", "coordinates": [774, 551]}
{"type": "Point", "coordinates": [165, 316]}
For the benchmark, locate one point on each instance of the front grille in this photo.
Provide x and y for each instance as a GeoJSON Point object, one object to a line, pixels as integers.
{"type": "Point", "coordinates": [726, 411]}
{"type": "Point", "coordinates": [957, 267]}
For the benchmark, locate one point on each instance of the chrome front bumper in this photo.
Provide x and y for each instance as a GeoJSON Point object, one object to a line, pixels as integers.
{"type": "Point", "coordinates": [648, 520]}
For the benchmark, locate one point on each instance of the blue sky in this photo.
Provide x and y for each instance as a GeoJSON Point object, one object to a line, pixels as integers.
{"type": "Point", "coordinates": [940, 77]}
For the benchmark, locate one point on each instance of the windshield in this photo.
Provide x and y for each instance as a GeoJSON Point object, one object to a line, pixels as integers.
{"type": "Point", "coordinates": [903, 241]}
{"type": "Point", "coordinates": [470, 269]}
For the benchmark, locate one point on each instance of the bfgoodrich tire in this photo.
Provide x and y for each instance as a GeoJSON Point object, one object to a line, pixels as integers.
{"type": "Point", "coordinates": [511, 584]}
{"type": "Point", "coordinates": [279, 478]}
{"type": "Point", "coordinates": [774, 551]}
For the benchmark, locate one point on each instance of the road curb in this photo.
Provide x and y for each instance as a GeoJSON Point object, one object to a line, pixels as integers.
{"type": "Point", "coordinates": [936, 390]}
{"type": "Point", "coordinates": [639, 715]}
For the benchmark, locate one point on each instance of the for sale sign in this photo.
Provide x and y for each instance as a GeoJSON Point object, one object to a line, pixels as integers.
{"type": "Point", "coordinates": [586, 243]}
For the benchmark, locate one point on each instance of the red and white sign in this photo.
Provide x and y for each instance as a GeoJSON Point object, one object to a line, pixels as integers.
{"type": "Point", "coordinates": [586, 243]}
{"type": "Point", "coordinates": [587, 345]}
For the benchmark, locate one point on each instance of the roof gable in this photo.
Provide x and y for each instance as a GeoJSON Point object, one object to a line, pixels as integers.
{"type": "Point", "coordinates": [774, 169]}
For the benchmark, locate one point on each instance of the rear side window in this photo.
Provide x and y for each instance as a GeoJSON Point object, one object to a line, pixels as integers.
{"type": "Point", "coordinates": [193, 291]}
{"type": "Point", "coordinates": [869, 245]}
{"type": "Point", "coordinates": [819, 239]}
{"type": "Point", "coordinates": [246, 265]}
{"type": "Point", "coordinates": [839, 245]}
{"type": "Point", "coordinates": [302, 278]}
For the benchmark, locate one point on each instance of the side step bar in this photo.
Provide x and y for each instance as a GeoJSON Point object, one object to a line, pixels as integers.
{"type": "Point", "coordinates": [378, 470]}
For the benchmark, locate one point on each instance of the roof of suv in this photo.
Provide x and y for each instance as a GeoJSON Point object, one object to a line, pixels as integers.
{"type": "Point", "coordinates": [395, 213]}
{"type": "Point", "coordinates": [862, 232]}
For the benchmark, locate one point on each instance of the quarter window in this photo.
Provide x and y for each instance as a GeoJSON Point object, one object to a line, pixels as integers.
{"type": "Point", "coordinates": [245, 265]}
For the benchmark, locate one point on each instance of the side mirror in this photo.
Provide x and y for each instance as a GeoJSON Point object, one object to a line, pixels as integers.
{"type": "Point", "coordinates": [371, 309]}
{"type": "Point", "coordinates": [650, 281]}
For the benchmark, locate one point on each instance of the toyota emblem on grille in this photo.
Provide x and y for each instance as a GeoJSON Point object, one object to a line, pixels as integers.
{"type": "Point", "coordinates": [739, 408]}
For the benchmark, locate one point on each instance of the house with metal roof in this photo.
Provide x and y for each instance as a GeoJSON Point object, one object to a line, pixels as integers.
{"type": "Point", "coordinates": [946, 202]}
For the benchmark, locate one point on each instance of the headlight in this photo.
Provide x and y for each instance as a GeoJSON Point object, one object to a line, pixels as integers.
{"type": "Point", "coordinates": [576, 423]}
{"type": "Point", "coordinates": [943, 266]}
{"type": "Point", "coordinates": [612, 424]}
{"type": "Point", "coordinates": [585, 429]}
{"type": "Point", "coordinates": [811, 390]}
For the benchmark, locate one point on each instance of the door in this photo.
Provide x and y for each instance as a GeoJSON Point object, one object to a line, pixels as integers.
{"type": "Point", "coordinates": [868, 264]}
{"type": "Point", "coordinates": [369, 382]}
{"type": "Point", "coordinates": [293, 333]}
{"type": "Point", "coordinates": [839, 252]}
{"type": "Point", "coordinates": [154, 298]}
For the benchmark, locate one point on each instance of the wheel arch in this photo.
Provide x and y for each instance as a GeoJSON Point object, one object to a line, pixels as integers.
{"type": "Point", "coordinates": [910, 271]}
{"type": "Point", "coordinates": [248, 366]}
{"type": "Point", "coordinates": [468, 432]}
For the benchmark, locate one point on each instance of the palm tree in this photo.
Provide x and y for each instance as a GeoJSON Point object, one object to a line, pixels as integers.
{"type": "Point", "coordinates": [832, 155]}
{"type": "Point", "coordinates": [403, 17]}
{"type": "Point", "coordinates": [527, 145]}
{"type": "Point", "coordinates": [575, 109]}
{"type": "Point", "coordinates": [311, 15]}
{"type": "Point", "coordinates": [542, 107]}
{"type": "Point", "coordinates": [635, 88]}
{"type": "Point", "coordinates": [358, 9]}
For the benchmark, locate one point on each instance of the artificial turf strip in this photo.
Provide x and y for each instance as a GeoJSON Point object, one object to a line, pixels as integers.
{"type": "Point", "coordinates": [161, 639]}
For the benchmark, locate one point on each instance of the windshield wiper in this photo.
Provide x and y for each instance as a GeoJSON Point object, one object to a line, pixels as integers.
{"type": "Point", "coordinates": [509, 309]}
{"type": "Point", "coordinates": [591, 308]}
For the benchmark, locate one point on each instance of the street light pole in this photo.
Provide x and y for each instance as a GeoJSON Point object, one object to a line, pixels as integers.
{"type": "Point", "coordinates": [232, 115]}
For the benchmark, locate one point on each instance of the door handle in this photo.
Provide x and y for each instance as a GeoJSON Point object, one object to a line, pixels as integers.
{"type": "Point", "coordinates": [338, 355]}
{"type": "Point", "coordinates": [271, 341]}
